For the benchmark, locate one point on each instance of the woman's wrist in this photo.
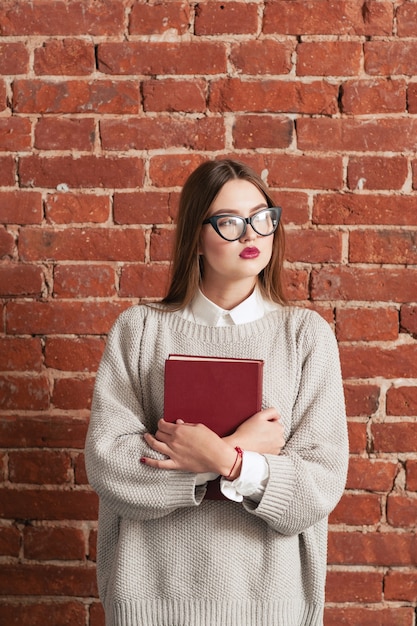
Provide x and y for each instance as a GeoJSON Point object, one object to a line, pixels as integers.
{"type": "Point", "coordinates": [236, 465]}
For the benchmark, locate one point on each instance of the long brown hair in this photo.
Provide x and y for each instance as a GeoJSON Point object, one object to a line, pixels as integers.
{"type": "Point", "coordinates": [198, 193]}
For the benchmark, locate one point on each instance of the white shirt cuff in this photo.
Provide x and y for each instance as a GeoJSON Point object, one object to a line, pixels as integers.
{"type": "Point", "coordinates": [252, 481]}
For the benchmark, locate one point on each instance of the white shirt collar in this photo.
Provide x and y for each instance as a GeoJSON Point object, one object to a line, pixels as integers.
{"type": "Point", "coordinates": [204, 311]}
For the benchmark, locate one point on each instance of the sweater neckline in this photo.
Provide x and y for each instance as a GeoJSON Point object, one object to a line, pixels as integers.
{"type": "Point", "coordinates": [270, 322]}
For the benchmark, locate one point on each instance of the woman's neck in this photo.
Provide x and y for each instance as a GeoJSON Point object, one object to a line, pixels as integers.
{"type": "Point", "coordinates": [227, 297]}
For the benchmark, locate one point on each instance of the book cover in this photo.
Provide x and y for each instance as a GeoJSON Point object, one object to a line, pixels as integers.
{"type": "Point", "coordinates": [218, 392]}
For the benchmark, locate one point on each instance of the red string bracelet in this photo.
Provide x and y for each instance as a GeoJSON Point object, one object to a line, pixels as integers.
{"type": "Point", "coordinates": [239, 453]}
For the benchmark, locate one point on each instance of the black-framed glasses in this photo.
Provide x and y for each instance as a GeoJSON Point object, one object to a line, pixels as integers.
{"type": "Point", "coordinates": [233, 227]}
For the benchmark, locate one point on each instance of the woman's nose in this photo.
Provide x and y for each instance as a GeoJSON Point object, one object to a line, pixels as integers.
{"type": "Point", "coordinates": [249, 234]}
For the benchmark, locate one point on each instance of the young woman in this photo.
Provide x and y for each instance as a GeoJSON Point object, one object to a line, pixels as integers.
{"type": "Point", "coordinates": [168, 556]}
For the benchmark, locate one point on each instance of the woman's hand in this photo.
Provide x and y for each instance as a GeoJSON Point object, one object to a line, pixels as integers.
{"type": "Point", "coordinates": [190, 448]}
{"type": "Point", "coordinates": [263, 433]}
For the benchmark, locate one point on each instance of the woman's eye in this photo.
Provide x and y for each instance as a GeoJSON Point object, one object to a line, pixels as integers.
{"type": "Point", "coordinates": [227, 221]}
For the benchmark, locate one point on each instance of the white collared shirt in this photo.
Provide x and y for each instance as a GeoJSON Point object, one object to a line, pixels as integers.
{"type": "Point", "coordinates": [254, 472]}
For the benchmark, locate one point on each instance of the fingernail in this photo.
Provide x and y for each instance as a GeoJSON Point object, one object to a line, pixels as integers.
{"type": "Point", "coordinates": [142, 459]}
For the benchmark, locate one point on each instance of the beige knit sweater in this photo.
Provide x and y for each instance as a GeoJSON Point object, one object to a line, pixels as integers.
{"type": "Point", "coordinates": [167, 556]}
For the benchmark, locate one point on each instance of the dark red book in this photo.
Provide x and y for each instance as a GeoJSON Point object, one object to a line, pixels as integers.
{"type": "Point", "coordinates": [218, 392]}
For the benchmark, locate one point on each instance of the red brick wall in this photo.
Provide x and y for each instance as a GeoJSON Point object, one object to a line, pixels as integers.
{"type": "Point", "coordinates": [105, 107]}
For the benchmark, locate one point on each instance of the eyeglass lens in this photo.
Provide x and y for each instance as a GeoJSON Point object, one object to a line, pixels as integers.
{"type": "Point", "coordinates": [233, 226]}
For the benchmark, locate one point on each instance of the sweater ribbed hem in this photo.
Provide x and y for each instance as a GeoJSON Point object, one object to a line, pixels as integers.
{"type": "Point", "coordinates": [183, 612]}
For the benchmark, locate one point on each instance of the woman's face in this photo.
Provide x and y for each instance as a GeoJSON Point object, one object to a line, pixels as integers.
{"type": "Point", "coordinates": [226, 262]}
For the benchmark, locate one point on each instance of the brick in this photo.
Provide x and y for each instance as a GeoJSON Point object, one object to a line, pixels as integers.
{"type": "Point", "coordinates": [325, 311]}
{"type": "Point", "coordinates": [80, 473]}
{"type": "Point", "coordinates": [262, 131]}
{"type": "Point", "coordinates": [61, 18]}
{"type": "Point", "coordinates": [400, 586]}
{"type": "Point", "coordinates": [92, 545]}
{"type": "Point", "coordinates": [43, 430]}
{"type": "Point", "coordinates": [296, 284]}
{"type": "Point", "coordinates": [174, 95]}
{"type": "Point", "coordinates": [66, 57]}
{"type": "Point", "coordinates": [371, 475]}
{"type": "Point", "coordinates": [395, 437]}
{"type": "Point", "coordinates": [357, 437]}
{"type": "Point", "coordinates": [372, 548]}
{"type": "Point", "coordinates": [273, 96]}
{"type": "Point", "coordinates": [383, 246]}
{"type": "Point", "coordinates": [377, 172]}
{"type": "Point", "coordinates": [329, 58]}
{"type": "Point", "coordinates": [15, 134]}
{"type": "Point", "coordinates": [172, 170]}
{"type": "Point", "coordinates": [357, 135]}
{"type": "Point", "coordinates": [354, 587]}
{"type": "Point", "coordinates": [360, 324]}
{"type": "Point", "coordinates": [84, 281]}
{"type": "Point", "coordinates": [40, 467]}
{"type": "Point", "coordinates": [14, 58]}
{"type": "Point", "coordinates": [349, 208]}
{"type": "Point", "coordinates": [163, 132]}
{"type": "Point", "coordinates": [42, 504]}
{"type": "Point", "coordinates": [72, 393]}
{"type": "Point", "coordinates": [7, 243]}
{"type": "Point", "coordinates": [412, 98]}
{"type": "Point", "coordinates": [313, 246]}
{"type": "Point", "coordinates": [401, 510]}
{"type": "Point", "coordinates": [97, 617]}
{"type": "Point", "coordinates": [355, 283]}
{"type": "Point", "coordinates": [357, 510]}
{"type": "Point", "coordinates": [359, 361]}
{"type": "Point", "coordinates": [144, 281]}
{"type": "Point", "coordinates": [21, 353]}
{"type": "Point", "coordinates": [3, 96]}
{"type": "Point", "coordinates": [407, 20]}
{"type": "Point", "coordinates": [9, 542]}
{"type": "Point", "coordinates": [67, 318]}
{"type": "Point", "coordinates": [402, 400]}
{"type": "Point", "coordinates": [7, 168]}
{"type": "Point", "coordinates": [379, 616]}
{"type": "Point", "coordinates": [146, 19]}
{"type": "Point", "coordinates": [24, 392]}
{"type": "Point", "coordinates": [39, 614]}
{"type": "Point", "coordinates": [223, 18]}
{"type": "Point", "coordinates": [78, 354]}
{"type": "Point", "coordinates": [161, 244]}
{"type": "Point", "coordinates": [142, 207]}
{"type": "Point", "coordinates": [58, 543]}
{"type": "Point", "coordinates": [140, 58]}
{"type": "Point", "coordinates": [361, 400]}
{"type": "Point", "coordinates": [264, 57]}
{"type": "Point", "coordinates": [414, 172]}
{"type": "Point", "coordinates": [65, 134]}
{"type": "Point", "coordinates": [411, 474]}
{"type": "Point", "coordinates": [20, 207]}
{"type": "Point", "coordinates": [391, 58]}
{"type": "Point", "coordinates": [48, 580]}
{"type": "Point", "coordinates": [364, 97]}
{"type": "Point", "coordinates": [86, 171]}
{"type": "Point", "coordinates": [294, 204]}
{"type": "Point", "coordinates": [408, 319]}
{"type": "Point", "coordinates": [304, 172]}
{"type": "Point", "coordinates": [75, 96]}
{"type": "Point", "coordinates": [20, 280]}
{"type": "Point", "coordinates": [328, 18]}
{"type": "Point", "coordinates": [93, 244]}
{"type": "Point", "coordinates": [70, 208]}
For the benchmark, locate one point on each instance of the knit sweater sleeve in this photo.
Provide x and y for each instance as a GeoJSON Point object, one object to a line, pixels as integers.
{"type": "Point", "coordinates": [115, 444]}
{"type": "Point", "coordinates": [308, 477]}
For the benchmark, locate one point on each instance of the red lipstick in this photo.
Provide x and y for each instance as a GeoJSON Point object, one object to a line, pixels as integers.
{"type": "Point", "coordinates": [249, 253]}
